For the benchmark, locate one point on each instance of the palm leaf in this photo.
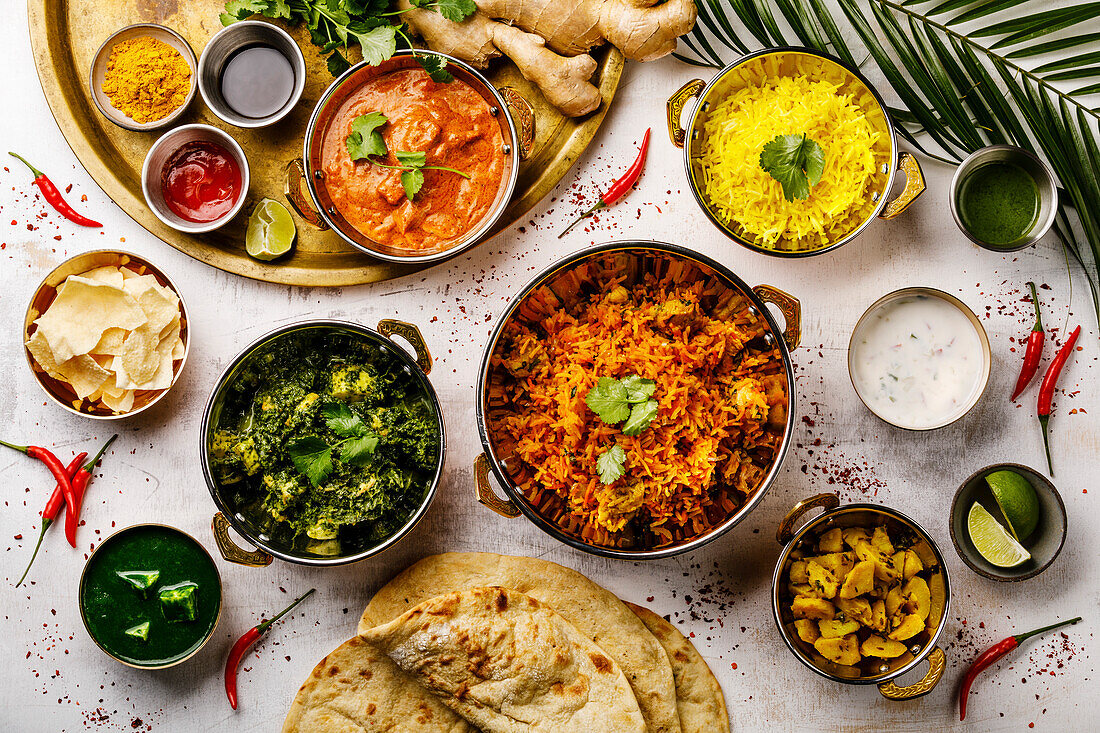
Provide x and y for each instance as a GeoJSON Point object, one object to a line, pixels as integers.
{"type": "Point", "coordinates": [960, 91]}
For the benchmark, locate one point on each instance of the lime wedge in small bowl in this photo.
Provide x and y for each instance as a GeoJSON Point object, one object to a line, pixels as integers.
{"type": "Point", "coordinates": [1017, 500]}
{"type": "Point", "coordinates": [992, 541]}
{"type": "Point", "coordinates": [271, 231]}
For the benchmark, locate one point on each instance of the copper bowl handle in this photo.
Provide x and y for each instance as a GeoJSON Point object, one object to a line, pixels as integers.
{"type": "Point", "coordinates": [785, 532]}
{"type": "Point", "coordinates": [231, 551]}
{"type": "Point", "coordinates": [523, 117]}
{"type": "Point", "coordinates": [937, 662]}
{"type": "Point", "coordinates": [675, 107]}
{"type": "Point", "coordinates": [791, 309]}
{"type": "Point", "coordinates": [390, 327]}
{"type": "Point", "coordinates": [914, 186]}
{"type": "Point", "coordinates": [292, 190]}
{"type": "Point", "coordinates": [484, 492]}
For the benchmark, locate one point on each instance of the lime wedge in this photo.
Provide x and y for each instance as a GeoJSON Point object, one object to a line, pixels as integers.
{"type": "Point", "coordinates": [271, 231]}
{"type": "Point", "coordinates": [992, 541]}
{"type": "Point", "coordinates": [1016, 497]}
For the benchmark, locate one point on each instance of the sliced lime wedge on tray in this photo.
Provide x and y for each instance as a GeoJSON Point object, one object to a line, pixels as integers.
{"type": "Point", "coordinates": [991, 540]}
{"type": "Point", "coordinates": [271, 231]}
{"type": "Point", "coordinates": [1017, 500]}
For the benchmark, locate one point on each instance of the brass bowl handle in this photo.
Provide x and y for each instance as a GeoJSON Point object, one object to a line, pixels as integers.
{"type": "Point", "coordinates": [937, 662]}
{"type": "Point", "coordinates": [231, 551]}
{"type": "Point", "coordinates": [388, 327]}
{"type": "Point", "coordinates": [914, 186]}
{"type": "Point", "coordinates": [675, 107]}
{"type": "Point", "coordinates": [523, 117]}
{"type": "Point", "coordinates": [791, 309]}
{"type": "Point", "coordinates": [292, 190]}
{"type": "Point", "coordinates": [785, 532]}
{"type": "Point", "coordinates": [485, 493]}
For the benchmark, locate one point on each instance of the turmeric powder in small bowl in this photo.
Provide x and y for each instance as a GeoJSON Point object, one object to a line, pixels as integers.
{"type": "Point", "coordinates": [143, 77]}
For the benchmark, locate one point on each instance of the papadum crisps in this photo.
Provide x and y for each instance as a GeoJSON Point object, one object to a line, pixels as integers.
{"type": "Point", "coordinates": [109, 333]}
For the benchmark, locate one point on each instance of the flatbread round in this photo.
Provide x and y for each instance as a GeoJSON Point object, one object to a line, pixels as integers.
{"type": "Point", "coordinates": [510, 664]}
{"type": "Point", "coordinates": [699, 698]}
{"type": "Point", "coordinates": [595, 611]}
{"type": "Point", "coordinates": [358, 689]}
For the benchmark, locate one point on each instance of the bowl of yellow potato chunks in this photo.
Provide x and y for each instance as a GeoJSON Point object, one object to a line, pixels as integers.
{"type": "Point", "coordinates": [860, 595]}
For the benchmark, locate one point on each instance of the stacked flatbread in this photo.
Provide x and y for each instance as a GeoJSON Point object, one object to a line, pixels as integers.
{"type": "Point", "coordinates": [463, 642]}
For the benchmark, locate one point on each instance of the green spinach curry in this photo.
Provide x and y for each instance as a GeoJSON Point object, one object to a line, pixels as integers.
{"type": "Point", "coordinates": [326, 442]}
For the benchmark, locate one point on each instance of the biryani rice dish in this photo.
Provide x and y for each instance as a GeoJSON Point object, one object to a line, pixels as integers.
{"type": "Point", "coordinates": [751, 201]}
{"type": "Point", "coordinates": [721, 390]}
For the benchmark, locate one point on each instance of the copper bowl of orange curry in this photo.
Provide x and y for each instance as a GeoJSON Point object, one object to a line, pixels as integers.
{"type": "Point", "coordinates": [463, 125]}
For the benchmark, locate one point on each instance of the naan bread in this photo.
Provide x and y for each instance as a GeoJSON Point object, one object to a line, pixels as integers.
{"type": "Point", "coordinates": [699, 698]}
{"type": "Point", "coordinates": [510, 664]}
{"type": "Point", "coordinates": [595, 611]}
{"type": "Point", "coordinates": [358, 689]}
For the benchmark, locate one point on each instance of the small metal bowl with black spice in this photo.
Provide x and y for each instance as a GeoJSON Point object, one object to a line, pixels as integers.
{"type": "Point", "coordinates": [322, 443]}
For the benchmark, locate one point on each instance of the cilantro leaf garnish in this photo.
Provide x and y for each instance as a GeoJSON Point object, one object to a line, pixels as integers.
{"type": "Point", "coordinates": [641, 415]}
{"type": "Point", "coordinates": [608, 399]}
{"type": "Point", "coordinates": [413, 159]}
{"type": "Point", "coordinates": [378, 44]}
{"type": "Point", "coordinates": [359, 450]}
{"type": "Point", "coordinates": [436, 67]}
{"type": "Point", "coordinates": [365, 139]}
{"type": "Point", "coordinates": [341, 420]}
{"type": "Point", "coordinates": [312, 457]}
{"type": "Point", "coordinates": [638, 389]}
{"type": "Point", "coordinates": [412, 180]}
{"type": "Point", "coordinates": [611, 465]}
{"type": "Point", "coordinates": [796, 162]}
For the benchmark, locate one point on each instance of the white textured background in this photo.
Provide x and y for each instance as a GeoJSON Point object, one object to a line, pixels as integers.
{"type": "Point", "coordinates": [52, 677]}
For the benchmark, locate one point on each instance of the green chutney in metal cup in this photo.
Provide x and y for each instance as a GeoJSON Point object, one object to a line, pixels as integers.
{"type": "Point", "coordinates": [150, 596]}
{"type": "Point", "coordinates": [998, 203]}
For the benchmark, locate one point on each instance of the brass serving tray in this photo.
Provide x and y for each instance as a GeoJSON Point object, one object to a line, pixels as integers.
{"type": "Point", "coordinates": [65, 36]}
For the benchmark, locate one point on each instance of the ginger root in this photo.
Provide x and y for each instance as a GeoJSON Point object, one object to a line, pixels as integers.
{"type": "Point", "coordinates": [548, 40]}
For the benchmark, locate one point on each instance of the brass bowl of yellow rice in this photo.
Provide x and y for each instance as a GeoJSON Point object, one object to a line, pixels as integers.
{"type": "Point", "coordinates": [721, 378]}
{"type": "Point", "coordinates": [791, 91]}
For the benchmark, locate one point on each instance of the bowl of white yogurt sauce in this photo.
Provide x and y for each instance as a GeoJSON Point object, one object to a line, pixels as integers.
{"type": "Point", "coordinates": [919, 358]}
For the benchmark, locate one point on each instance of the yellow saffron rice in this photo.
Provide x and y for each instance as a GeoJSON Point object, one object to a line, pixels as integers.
{"type": "Point", "coordinates": [721, 392]}
{"type": "Point", "coordinates": [751, 201]}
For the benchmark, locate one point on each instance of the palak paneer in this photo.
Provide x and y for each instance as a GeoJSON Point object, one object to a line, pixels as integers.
{"type": "Point", "coordinates": [326, 442]}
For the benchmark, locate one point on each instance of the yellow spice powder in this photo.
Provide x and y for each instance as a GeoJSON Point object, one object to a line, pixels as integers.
{"type": "Point", "coordinates": [146, 79]}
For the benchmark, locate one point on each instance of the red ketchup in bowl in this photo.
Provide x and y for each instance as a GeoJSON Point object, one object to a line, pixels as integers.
{"type": "Point", "coordinates": [201, 182]}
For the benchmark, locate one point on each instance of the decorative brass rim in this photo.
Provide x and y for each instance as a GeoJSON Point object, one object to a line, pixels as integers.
{"type": "Point", "coordinates": [937, 663]}
{"type": "Point", "coordinates": [484, 491]}
{"type": "Point", "coordinates": [791, 309]}
{"type": "Point", "coordinates": [914, 186]}
{"type": "Point", "coordinates": [675, 109]}
{"type": "Point", "coordinates": [390, 327]}
{"type": "Point", "coordinates": [231, 551]}
{"type": "Point", "coordinates": [828, 502]}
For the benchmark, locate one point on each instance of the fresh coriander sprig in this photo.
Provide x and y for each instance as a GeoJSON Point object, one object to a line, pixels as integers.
{"type": "Point", "coordinates": [312, 456]}
{"type": "Point", "coordinates": [617, 400]}
{"type": "Point", "coordinates": [365, 141]}
{"type": "Point", "coordinates": [611, 465]}
{"type": "Point", "coordinates": [796, 162]}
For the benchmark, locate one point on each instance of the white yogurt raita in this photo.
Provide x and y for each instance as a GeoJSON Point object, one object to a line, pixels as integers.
{"type": "Point", "coordinates": [917, 361]}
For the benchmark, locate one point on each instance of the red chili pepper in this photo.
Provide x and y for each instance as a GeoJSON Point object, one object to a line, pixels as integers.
{"type": "Point", "coordinates": [58, 471]}
{"type": "Point", "coordinates": [1034, 349]}
{"type": "Point", "coordinates": [619, 187]}
{"type": "Point", "coordinates": [53, 197]}
{"type": "Point", "coordinates": [250, 637]}
{"type": "Point", "coordinates": [1046, 390]}
{"type": "Point", "coordinates": [80, 485]}
{"type": "Point", "coordinates": [53, 506]}
{"type": "Point", "coordinates": [992, 654]}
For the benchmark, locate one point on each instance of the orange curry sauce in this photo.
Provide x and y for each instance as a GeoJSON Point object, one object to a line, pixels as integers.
{"type": "Point", "coordinates": [453, 125]}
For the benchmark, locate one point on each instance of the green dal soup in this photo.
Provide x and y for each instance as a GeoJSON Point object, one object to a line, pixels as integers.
{"type": "Point", "coordinates": [998, 203]}
{"type": "Point", "coordinates": [150, 596]}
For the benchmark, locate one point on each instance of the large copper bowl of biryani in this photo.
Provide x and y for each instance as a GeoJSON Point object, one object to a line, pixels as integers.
{"type": "Point", "coordinates": [791, 92]}
{"type": "Point", "coordinates": [720, 389]}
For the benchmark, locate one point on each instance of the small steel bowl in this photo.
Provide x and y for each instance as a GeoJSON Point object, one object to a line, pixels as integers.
{"type": "Point", "coordinates": [315, 205]}
{"type": "Point", "coordinates": [566, 278]}
{"type": "Point", "coordinates": [107, 542]}
{"type": "Point", "coordinates": [922, 646]}
{"type": "Point", "coordinates": [99, 70]}
{"type": "Point", "coordinates": [1044, 544]}
{"type": "Point", "coordinates": [61, 393]}
{"type": "Point", "coordinates": [1039, 172]}
{"type": "Point", "coordinates": [153, 170]}
{"type": "Point", "coordinates": [962, 307]}
{"type": "Point", "coordinates": [770, 62]}
{"type": "Point", "coordinates": [224, 45]}
{"type": "Point", "coordinates": [228, 517]}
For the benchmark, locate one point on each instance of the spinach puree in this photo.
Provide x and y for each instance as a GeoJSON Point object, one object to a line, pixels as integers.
{"type": "Point", "coordinates": [326, 444]}
{"type": "Point", "coordinates": [998, 203]}
{"type": "Point", "coordinates": [127, 617]}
